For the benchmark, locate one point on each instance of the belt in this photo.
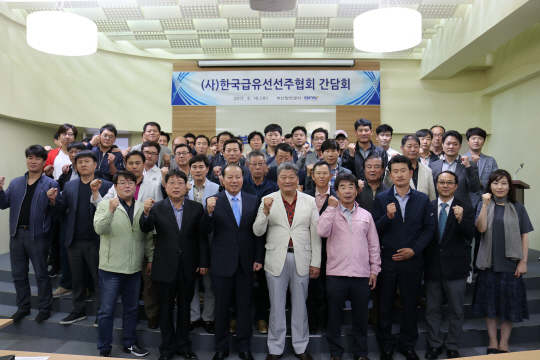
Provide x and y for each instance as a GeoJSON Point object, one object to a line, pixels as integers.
{"type": "Point", "coordinates": [290, 249]}
{"type": "Point", "coordinates": [23, 227]}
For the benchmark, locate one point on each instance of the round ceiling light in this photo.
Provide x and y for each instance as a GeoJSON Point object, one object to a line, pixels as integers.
{"type": "Point", "coordinates": [61, 33]}
{"type": "Point", "coordinates": [387, 29]}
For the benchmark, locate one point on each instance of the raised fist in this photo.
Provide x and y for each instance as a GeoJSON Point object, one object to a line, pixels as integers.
{"type": "Point", "coordinates": [475, 158]}
{"type": "Point", "coordinates": [113, 204]}
{"type": "Point", "coordinates": [360, 186]}
{"type": "Point", "coordinates": [466, 161]}
{"type": "Point", "coordinates": [213, 150]}
{"type": "Point", "coordinates": [486, 198]}
{"type": "Point", "coordinates": [391, 210]}
{"type": "Point", "coordinates": [300, 188]}
{"type": "Point", "coordinates": [52, 193]}
{"type": "Point", "coordinates": [110, 158]}
{"type": "Point", "coordinates": [65, 169]}
{"type": "Point", "coordinates": [352, 149]}
{"type": "Point", "coordinates": [115, 150]}
{"type": "Point", "coordinates": [268, 205]}
{"type": "Point", "coordinates": [309, 169]}
{"type": "Point", "coordinates": [166, 159]}
{"type": "Point", "coordinates": [48, 170]}
{"type": "Point", "coordinates": [305, 149]}
{"type": "Point", "coordinates": [148, 205]}
{"type": "Point", "coordinates": [164, 171]}
{"type": "Point", "coordinates": [458, 212]}
{"type": "Point", "coordinates": [211, 204]}
{"type": "Point", "coordinates": [2, 182]}
{"type": "Point", "coordinates": [333, 202]}
{"type": "Point", "coordinates": [188, 188]}
{"type": "Point", "coordinates": [95, 185]}
{"type": "Point", "coordinates": [217, 171]}
{"type": "Point", "coordinates": [95, 140]}
{"type": "Point", "coordinates": [47, 148]}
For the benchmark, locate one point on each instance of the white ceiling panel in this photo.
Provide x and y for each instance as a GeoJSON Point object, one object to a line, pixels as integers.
{"type": "Point", "coordinates": [145, 25]}
{"type": "Point", "coordinates": [278, 43]}
{"type": "Point", "coordinates": [215, 43]}
{"type": "Point", "coordinates": [161, 12]}
{"type": "Point", "coordinates": [278, 23]}
{"type": "Point", "coordinates": [210, 24]}
{"type": "Point", "coordinates": [317, 10]}
{"type": "Point", "coordinates": [237, 11]}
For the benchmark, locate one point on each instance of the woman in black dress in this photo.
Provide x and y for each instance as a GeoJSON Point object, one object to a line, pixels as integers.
{"type": "Point", "coordinates": [499, 294]}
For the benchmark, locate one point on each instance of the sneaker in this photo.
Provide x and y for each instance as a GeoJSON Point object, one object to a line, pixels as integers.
{"type": "Point", "coordinates": [60, 291]}
{"type": "Point", "coordinates": [106, 353]}
{"type": "Point", "coordinates": [96, 322]}
{"type": "Point", "coordinates": [42, 316]}
{"type": "Point", "coordinates": [73, 318]}
{"type": "Point", "coordinates": [54, 271]}
{"type": "Point", "coordinates": [136, 350]}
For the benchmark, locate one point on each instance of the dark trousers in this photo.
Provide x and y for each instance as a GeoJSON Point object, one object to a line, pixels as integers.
{"type": "Point", "coordinates": [22, 249]}
{"type": "Point", "coordinates": [357, 289]}
{"type": "Point", "coordinates": [262, 298]}
{"type": "Point", "coordinates": [83, 255]}
{"type": "Point", "coordinates": [317, 303]}
{"type": "Point", "coordinates": [150, 298]}
{"type": "Point", "coordinates": [54, 254]}
{"type": "Point", "coordinates": [110, 286]}
{"type": "Point", "coordinates": [407, 276]}
{"type": "Point", "coordinates": [182, 290]}
{"type": "Point", "coordinates": [65, 279]}
{"type": "Point", "coordinates": [239, 285]}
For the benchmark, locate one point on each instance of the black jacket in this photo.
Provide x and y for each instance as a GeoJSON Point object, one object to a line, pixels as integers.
{"type": "Point", "coordinates": [187, 243]}
{"type": "Point", "coordinates": [449, 260]}
{"type": "Point", "coordinates": [232, 243]}
{"type": "Point", "coordinates": [356, 164]}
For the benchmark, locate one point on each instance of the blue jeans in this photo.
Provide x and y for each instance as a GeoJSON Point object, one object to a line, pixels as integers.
{"type": "Point", "coordinates": [110, 286]}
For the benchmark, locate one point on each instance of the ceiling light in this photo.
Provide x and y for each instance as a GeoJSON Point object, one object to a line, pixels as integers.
{"type": "Point", "coordinates": [61, 33]}
{"type": "Point", "coordinates": [387, 29]}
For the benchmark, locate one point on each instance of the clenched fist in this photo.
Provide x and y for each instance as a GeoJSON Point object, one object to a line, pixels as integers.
{"type": "Point", "coordinates": [115, 150]}
{"type": "Point", "coordinates": [466, 161]}
{"type": "Point", "coordinates": [486, 198]}
{"type": "Point", "coordinates": [52, 193]}
{"type": "Point", "coordinates": [458, 212]}
{"type": "Point", "coordinates": [95, 140]}
{"type": "Point", "coordinates": [48, 170]}
{"type": "Point", "coordinates": [2, 182]}
{"type": "Point", "coordinates": [188, 188]}
{"type": "Point", "coordinates": [213, 150]}
{"type": "Point", "coordinates": [475, 158]}
{"type": "Point", "coordinates": [268, 205]}
{"type": "Point", "coordinates": [164, 172]}
{"type": "Point", "coordinates": [113, 204]}
{"type": "Point", "coordinates": [166, 159]}
{"type": "Point", "coordinates": [211, 204]}
{"type": "Point", "coordinates": [47, 148]}
{"type": "Point", "coordinates": [391, 210]}
{"type": "Point", "coordinates": [360, 186]}
{"type": "Point", "coordinates": [65, 169]}
{"type": "Point", "coordinates": [110, 158]}
{"type": "Point", "coordinates": [217, 171]}
{"type": "Point", "coordinates": [95, 185]}
{"type": "Point", "coordinates": [148, 205]}
{"type": "Point", "coordinates": [352, 149]}
{"type": "Point", "coordinates": [305, 149]}
{"type": "Point", "coordinates": [333, 202]}
{"type": "Point", "coordinates": [309, 169]}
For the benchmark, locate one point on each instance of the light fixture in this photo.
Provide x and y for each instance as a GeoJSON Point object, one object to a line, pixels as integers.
{"type": "Point", "coordinates": [61, 33]}
{"type": "Point", "coordinates": [274, 63]}
{"type": "Point", "coordinates": [387, 29]}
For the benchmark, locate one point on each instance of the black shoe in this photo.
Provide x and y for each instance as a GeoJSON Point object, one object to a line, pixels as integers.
{"type": "Point", "coordinates": [153, 323]}
{"type": "Point", "coordinates": [106, 353]}
{"type": "Point", "coordinates": [194, 324]}
{"type": "Point", "coordinates": [492, 351]}
{"type": "Point", "coordinates": [304, 356]}
{"type": "Point", "coordinates": [452, 354]}
{"type": "Point", "coordinates": [73, 318]}
{"type": "Point", "coordinates": [409, 354]}
{"type": "Point", "coordinates": [433, 353]}
{"type": "Point", "coordinates": [387, 355]}
{"type": "Point", "coordinates": [313, 329]}
{"type": "Point", "coordinates": [220, 355]}
{"type": "Point", "coordinates": [54, 271]}
{"type": "Point", "coordinates": [273, 357]}
{"type": "Point", "coordinates": [188, 355]}
{"type": "Point", "coordinates": [42, 316]}
{"type": "Point", "coordinates": [19, 315]}
{"type": "Point", "coordinates": [245, 355]}
{"type": "Point", "coordinates": [136, 350]}
{"type": "Point", "coordinates": [208, 327]}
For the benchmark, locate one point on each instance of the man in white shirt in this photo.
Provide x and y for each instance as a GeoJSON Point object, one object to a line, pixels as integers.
{"type": "Point", "coordinates": [151, 172]}
{"type": "Point", "coordinates": [384, 137]}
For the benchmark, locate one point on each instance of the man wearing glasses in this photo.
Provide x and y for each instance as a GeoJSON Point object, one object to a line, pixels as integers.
{"type": "Point", "coordinates": [150, 149]}
{"type": "Point", "coordinates": [437, 141]}
{"type": "Point", "coordinates": [182, 154]}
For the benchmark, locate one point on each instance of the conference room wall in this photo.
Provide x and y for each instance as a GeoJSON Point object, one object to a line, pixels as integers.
{"type": "Point", "coordinates": [86, 91]}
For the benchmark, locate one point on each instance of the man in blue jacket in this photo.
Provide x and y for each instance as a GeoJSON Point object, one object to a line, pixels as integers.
{"type": "Point", "coordinates": [405, 223]}
{"type": "Point", "coordinates": [29, 231]}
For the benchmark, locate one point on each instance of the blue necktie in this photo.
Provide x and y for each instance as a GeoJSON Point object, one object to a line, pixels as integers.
{"type": "Point", "coordinates": [442, 220]}
{"type": "Point", "coordinates": [236, 210]}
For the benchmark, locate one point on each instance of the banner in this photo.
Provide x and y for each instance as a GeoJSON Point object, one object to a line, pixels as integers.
{"type": "Point", "coordinates": [287, 87]}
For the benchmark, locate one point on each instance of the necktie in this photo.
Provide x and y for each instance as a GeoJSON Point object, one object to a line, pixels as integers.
{"type": "Point", "coordinates": [236, 210]}
{"type": "Point", "coordinates": [442, 220]}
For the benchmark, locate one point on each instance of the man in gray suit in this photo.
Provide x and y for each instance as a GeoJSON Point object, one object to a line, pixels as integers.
{"type": "Point", "coordinates": [152, 132]}
{"type": "Point", "coordinates": [476, 138]}
{"type": "Point", "coordinates": [201, 189]}
{"type": "Point", "coordinates": [467, 171]}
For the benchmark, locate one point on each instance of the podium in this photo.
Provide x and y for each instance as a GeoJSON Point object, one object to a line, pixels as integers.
{"type": "Point", "coordinates": [519, 190]}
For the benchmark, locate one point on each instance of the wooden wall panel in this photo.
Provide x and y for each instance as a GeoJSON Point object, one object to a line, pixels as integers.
{"type": "Point", "coordinates": [200, 120]}
{"type": "Point", "coordinates": [346, 115]}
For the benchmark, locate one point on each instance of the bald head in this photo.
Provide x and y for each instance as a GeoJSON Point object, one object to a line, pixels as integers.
{"type": "Point", "coordinates": [178, 140]}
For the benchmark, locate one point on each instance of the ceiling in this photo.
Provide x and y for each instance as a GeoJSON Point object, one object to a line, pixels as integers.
{"type": "Point", "coordinates": [229, 29]}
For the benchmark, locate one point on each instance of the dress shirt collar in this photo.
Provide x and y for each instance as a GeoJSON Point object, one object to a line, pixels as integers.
{"type": "Point", "coordinates": [238, 196]}
{"type": "Point", "coordinates": [345, 210]}
{"type": "Point", "coordinates": [449, 202]}
{"type": "Point", "coordinates": [174, 207]}
{"type": "Point", "coordinates": [396, 193]}
{"type": "Point", "coordinates": [200, 187]}
{"type": "Point", "coordinates": [317, 193]}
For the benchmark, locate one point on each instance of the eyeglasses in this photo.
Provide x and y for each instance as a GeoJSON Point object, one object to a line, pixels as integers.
{"type": "Point", "coordinates": [437, 135]}
{"type": "Point", "coordinates": [150, 153]}
{"type": "Point", "coordinates": [73, 152]}
{"type": "Point", "coordinates": [183, 153]}
{"type": "Point", "coordinates": [446, 183]}
{"type": "Point", "coordinates": [108, 137]}
{"type": "Point", "coordinates": [176, 184]}
{"type": "Point", "coordinates": [258, 164]}
{"type": "Point", "coordinates": [128, 183]}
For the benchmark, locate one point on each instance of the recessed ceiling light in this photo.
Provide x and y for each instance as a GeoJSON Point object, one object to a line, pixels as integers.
{"type": "Point", "coordinates": [123, 13]}
{"type": "Point", "coordinates": [112, 25]}
{"type": "Point", "coordinates": [247, 43]}
{"type": "Point", "coordinates": [177, 24]}
{"type": "Point", "coordinates": [200, 11]}
{"type": "Point", "coordinates": [186, 44]}
{"type": "Point", "coordinates": [241, 23]}
{"type": "Point", "coordinates": [312, 22]}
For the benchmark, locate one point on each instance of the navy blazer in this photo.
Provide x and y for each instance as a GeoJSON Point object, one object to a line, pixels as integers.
{"type": "Point", "coordinates": [232, 243]}
{"type": "Point", "coordinates": [414, 232]}
{"type": "Point", "coordinates": [449, 259]}
{"type": "Point", "coordinates": [68, 199]}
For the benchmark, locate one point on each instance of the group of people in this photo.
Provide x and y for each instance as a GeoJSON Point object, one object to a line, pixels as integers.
{"type": "Point", "coordinates": [288, 223]}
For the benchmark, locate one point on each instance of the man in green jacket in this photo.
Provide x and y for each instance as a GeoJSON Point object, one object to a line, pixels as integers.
{"type": "Point", "coordinates": [122, 248]}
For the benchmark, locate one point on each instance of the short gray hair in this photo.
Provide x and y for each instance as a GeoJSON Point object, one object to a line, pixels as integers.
{"type": "Point", "coordinates": [254, 153]}
{"type": "Point", "coordinates": [287, 165]}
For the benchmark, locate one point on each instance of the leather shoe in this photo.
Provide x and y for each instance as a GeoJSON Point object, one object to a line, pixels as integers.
{"type": "Point", "coordinates": [19, 315]}
{"type": "Point", "coordinates": [188, 355]}
{"type": "Point", "coordinates": [273, 357]}
{"type": "Point", "coordinates": [262, 327]}
{"type": "Point", "coordinates": [409, 354]}
{"type": "Point", "coordinates": [433, 353]}
{"type": "Point", "coordinates": [106, 353]}
{"type": "Point", "coordinates": [335, 358]}
{"type": "Point", "coordinates": [208, 327]}
{"type": "Point", "coordinates": [153, 323]}
{"type": "Point", "coordinates": [220, 355]}
{"type": "Point", "coordinates": [245, 355]}
{"type": "Point", "coordinates": [194, 324]}
{"type": "Point", "coordinates": [492, 351]}
{"type": "Point", "coordinates": [304, 356]}
{"type": "Point", "coordinates": [452, 354]}
{"type": "Point", "coordinates": [232, 326]}
{"type": "Point", "coordinates": [387, 355]}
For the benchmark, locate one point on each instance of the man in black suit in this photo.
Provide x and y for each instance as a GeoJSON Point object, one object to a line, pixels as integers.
{"type": "Point", "coordinates": [181, 250]}
{"type": "Point", "coordinates": [232, 153]}
{"type": "Point", "coordinates": [284, 153]}
{"type": "Point", "coordinates": [446, 266]}
{"type": "Point", "coordinates": [235, 254]}
{"type": "Point", "coordinates": [321, 174]}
